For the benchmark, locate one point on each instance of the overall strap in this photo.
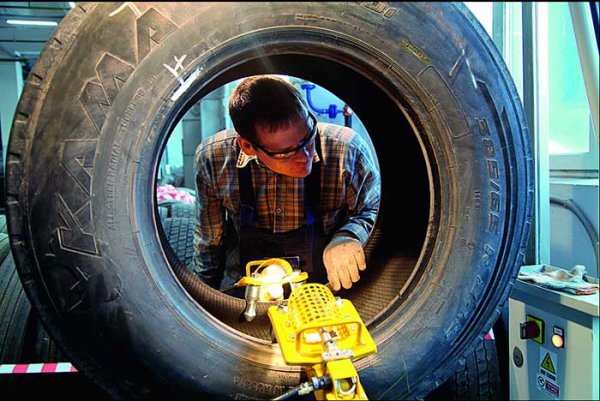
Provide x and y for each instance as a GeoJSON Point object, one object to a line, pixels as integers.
{"type": "Point", "coordinates": [247, 199]}
{"type": "Point", "coordinates": [312, 189]}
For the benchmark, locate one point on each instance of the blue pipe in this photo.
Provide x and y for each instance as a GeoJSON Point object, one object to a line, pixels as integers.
{"type": "Point", "coordinates": [332, 111]}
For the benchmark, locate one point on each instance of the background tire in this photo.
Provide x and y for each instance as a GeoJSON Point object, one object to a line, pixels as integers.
{"type": "Point", "coordinates": [14, 313]}
{"type": "Point", "coordinates": [180, 234]}
{"type": "Point", "coordinates": [177, 209]}
{"type": "Point", "coordinates": [3, 224]}
{"type": "Point", "coordinates": [451, 140]}
{"type": "Point", "coordinates": [478, 379]}
{"type": "Point", "coordinates": [4, 246]}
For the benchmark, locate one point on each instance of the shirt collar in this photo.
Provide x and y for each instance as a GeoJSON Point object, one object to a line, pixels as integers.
{"type": "Point", "coordinates": [244, 159]}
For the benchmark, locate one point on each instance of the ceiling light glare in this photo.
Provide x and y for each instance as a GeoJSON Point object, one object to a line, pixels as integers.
{"type": "Point", "coordinates": [31, 22]}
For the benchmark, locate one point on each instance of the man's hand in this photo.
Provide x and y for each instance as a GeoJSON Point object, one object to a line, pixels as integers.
{"type": "Point", "coordinates": [343, 258]}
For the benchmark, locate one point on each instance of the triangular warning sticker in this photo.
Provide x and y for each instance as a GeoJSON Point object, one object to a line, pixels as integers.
{"type": "Point", "coordinates": [547, 364]}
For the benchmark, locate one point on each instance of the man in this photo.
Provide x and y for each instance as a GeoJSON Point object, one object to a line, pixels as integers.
{"type": "Point", "coordinates": [281, 185]}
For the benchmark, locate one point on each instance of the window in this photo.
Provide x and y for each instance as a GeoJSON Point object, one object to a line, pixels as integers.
{"type": "Point", "coordinates": [562, 109]}
{"type": "Point", "coordinates": [564, 113]}
{"type": "Point", "coordinates": [565, 108]}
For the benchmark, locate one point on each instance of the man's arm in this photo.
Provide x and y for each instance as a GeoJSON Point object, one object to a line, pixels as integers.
{"type": "Point", "coordinates": [344, 255]}
{"type": "Point", "coordinates": [209, 253]}
{"type": "Point", "coordinates": [362, 192]}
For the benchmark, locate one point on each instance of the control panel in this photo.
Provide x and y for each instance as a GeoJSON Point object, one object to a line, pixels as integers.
{"type": "Point", "coordinates": [553, 344]}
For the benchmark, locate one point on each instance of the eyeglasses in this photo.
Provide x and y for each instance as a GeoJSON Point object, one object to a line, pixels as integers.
{"type": "Point", "coordinates": [288, 154]}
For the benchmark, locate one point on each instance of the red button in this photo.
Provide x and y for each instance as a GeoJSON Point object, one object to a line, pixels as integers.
{"type": "Point", "coordinates": [529, 329]}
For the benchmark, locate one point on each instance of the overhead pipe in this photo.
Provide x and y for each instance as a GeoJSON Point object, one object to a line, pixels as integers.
{"type": "Point", "coordinates": [332, 111]}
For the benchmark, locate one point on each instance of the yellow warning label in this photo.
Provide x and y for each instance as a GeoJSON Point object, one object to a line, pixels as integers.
{"type": "Point", "coordinates": [418, 53]}
{"type": "Point", "coordinates": [547, 364]}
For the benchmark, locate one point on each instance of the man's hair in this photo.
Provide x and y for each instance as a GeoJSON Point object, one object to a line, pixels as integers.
{"type": "Point", "coordinates": [267, 101]}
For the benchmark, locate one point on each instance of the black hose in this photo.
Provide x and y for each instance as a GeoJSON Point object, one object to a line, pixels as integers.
{"type": "Point", "coordinates": [315, 383]}
{"type": "Point", "coordinates": [288, 394]}
{"type": "Point", "coordinates": [589, 227]}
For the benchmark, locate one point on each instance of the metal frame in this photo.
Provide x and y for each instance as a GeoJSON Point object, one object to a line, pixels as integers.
{"type": "Point", "coordinates": [538, 250]}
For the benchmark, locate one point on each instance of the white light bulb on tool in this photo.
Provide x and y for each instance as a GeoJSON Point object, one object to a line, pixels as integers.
{"type": "Point", "coordinates": [273, 273]}
{"type": "Point", "coordinates": [272, 277]}
{"type": "Point", "coordinates": [275, 291]}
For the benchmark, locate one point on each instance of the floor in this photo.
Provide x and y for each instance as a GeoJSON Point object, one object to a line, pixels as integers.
{"type": "Point", "coordinates": [57, 386]}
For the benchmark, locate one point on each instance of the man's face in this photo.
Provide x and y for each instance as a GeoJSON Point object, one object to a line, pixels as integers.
{"type": "Point", "coordinates": [270, 144]}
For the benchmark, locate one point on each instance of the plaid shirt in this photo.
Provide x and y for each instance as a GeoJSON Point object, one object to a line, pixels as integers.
{"type": "Point", "coordinates": [350, 190]}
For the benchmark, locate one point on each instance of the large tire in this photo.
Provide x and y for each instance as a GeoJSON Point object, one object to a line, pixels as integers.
{"type": "Point", "coordinates": [39, 345]}
{"type": "Point", "coordinates": [444, 118]}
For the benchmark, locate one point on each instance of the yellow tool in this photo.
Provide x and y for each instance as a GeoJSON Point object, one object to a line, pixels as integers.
{"type": "Point", "coordinates": [324, 334]}
{"type": "Point", "coordinates": [266, 282]}
{"type": "Point", "coordinates": [314, 329]}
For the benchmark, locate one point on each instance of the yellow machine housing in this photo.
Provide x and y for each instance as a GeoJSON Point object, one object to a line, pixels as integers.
{"type": "Point", "coordinates": [325, 334]}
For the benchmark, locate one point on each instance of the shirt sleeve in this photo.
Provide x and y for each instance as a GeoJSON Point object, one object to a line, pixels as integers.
{"type": "Point", "coordinates": [362, 191]}
{"type": "Point", "coordinates": [209, 253]}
